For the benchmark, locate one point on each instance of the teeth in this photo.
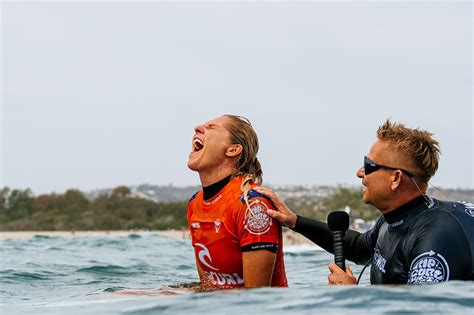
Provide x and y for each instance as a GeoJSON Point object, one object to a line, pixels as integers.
{"type": "Point", "coordinates": [197, 145]}
{"type": "Point", "coordinates": [197, 141]}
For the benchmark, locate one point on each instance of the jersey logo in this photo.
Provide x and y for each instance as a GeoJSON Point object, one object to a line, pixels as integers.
{"type": "Point", "coordinates": [428, 267]}
{"type": "Point", "coordinates": [217, 226]}
{"type": "Point", "coordinates": [203, 254]}
{"type": "Point", "coordinates": [469, 208]}
{"type": "Point", "coordinates": [212, 201]}
{"type": "Point", "coordinates": [379, 260]}
{"type": "Point", "coordinates": [217, 278]}
{"type": "Point", "coordinates": [195, 225]}
{"type": "Point", "coordinates": [257, 221]}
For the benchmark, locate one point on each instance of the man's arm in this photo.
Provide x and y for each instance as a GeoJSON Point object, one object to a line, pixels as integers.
{"type": "Point", "coordinates": [357, 247]}
{"type": "Point", "coordinates": [258, 268]}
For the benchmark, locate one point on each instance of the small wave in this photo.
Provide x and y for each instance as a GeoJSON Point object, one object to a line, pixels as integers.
{"type": "Point", "coordinates": [134, 236]}
{"type": "Point", "coordinates": [44, 237]}
{"type": "Point", "coordinates": [106, 270]}
{"type": "Point", "coordinates": [55, 248]}
{"type": "Point", "coordinates": [301, 248]}
{"type": "Point", "coordinates": [112, 289]}
{"type": "Point", "coordinates": [120, 243]}
{"type": "Point", "coordinates": [25, 276]}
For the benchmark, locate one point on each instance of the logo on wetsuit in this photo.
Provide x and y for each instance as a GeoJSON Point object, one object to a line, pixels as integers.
{"type": "Point", "coordinates": [469, 208]}
{"type": "Point", "coordinates": [257, 221]}
{"type": "Point", "coordinates": [428, 267]}
{"type": "Point", "coordinates": [214, 277]}
{"type": "Point", "coordinates": [379, 260]}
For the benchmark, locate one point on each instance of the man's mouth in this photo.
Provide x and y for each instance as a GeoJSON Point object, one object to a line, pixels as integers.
{"type": "Point", "coordinates": [198, 145]}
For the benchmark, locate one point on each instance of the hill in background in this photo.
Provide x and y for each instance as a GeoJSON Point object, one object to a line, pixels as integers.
{"type": "Point", "coordinates": [304, 192]}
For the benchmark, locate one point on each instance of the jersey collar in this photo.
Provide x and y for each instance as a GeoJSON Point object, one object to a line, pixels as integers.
{"type": "Point", "coordinates": [396, 216]}
{"type": "Point", "coordinates": [212, 190]}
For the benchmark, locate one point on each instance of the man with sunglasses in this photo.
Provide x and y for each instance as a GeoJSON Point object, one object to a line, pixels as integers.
{"type": "Point", "coordinates": [418, 239]}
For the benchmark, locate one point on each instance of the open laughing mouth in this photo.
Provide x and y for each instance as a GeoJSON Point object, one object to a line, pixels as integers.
{"type": "Point", "coordinates": [198, 145]}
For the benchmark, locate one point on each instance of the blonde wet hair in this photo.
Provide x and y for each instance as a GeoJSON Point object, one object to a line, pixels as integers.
{"type": "Point", "coordinates": [419, 146]}
{"type": "Point", "coordinates": [247, 165]}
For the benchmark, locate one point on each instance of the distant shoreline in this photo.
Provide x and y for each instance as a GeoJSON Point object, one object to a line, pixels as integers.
{"type": "Point", "coordinates": [289, 237]}
{"type": "Point", "coordinates": [17, 235]}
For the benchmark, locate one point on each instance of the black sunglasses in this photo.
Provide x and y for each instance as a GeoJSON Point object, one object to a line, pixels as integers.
{"type": "Point", "coordinates": [370, 167]}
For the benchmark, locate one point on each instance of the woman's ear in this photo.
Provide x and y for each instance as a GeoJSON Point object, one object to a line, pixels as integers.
{"type": "Point", "coordinates": [234, 150]}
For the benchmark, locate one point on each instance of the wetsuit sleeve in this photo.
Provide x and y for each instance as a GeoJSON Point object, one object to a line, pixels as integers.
{"type": "Point", "coordinates": [440, 251]}
{"type": "Point", "coordinates": [357, 247]}
{"type": "Point", "coordinates": [255, 226]}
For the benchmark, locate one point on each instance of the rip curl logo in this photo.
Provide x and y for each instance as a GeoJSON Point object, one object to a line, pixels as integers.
{"type": "Point", "coordinates": [379, 260]}
{"type": "Point", "coordinates": [428, 267]}
{"type": "Point", "coordinates": [195, 225]}
{"type": "Point", "coordinates": [214, 277]}
{"type": "Point", "coordinates": [257, 221]}
{"type": "Point", "coordinates": [202, 256]}
{"type": "Point", "coordinates": [224, 279]}
{"type": "Point", "coordinates": [469, 208]}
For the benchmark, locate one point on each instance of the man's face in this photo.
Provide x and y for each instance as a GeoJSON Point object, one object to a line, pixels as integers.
{"type": "Point", "coordinates": [209, 145]}
{"type": "Point", "coordinates": [377, 185]}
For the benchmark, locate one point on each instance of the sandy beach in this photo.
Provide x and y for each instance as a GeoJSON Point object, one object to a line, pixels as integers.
{"type": "Point", "coordinates": [289, 237]}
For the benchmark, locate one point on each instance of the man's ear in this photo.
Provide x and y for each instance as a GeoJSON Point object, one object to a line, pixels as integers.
{"type": "Point", "coordinates": [234, 150]}
{"type": "Point", "coordinates": [396, 179]}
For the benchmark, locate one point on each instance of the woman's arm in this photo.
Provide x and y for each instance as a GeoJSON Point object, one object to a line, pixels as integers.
{"type": "Point", "coordinates": [258, 268]}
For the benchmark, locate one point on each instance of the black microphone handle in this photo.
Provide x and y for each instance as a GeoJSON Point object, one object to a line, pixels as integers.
{"type": "Point", "coordinates": [339, 249]}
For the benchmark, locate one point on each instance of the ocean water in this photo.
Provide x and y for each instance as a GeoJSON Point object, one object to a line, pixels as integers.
{"type": "Point", "coordinates": [54, 275]}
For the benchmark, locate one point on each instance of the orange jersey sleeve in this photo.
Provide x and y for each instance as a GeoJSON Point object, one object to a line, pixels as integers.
{"type": "Point", "coordinates": [254, 225]}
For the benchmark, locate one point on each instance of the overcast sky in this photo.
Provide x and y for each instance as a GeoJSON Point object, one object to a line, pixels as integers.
{"type": "Point", "coordinates": [99, 94]}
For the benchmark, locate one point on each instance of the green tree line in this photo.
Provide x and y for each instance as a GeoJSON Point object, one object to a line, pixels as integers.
{"type": "Point", "coordinates": [342, 198]}
{"type": "Point", "coordinates": [120, 210]}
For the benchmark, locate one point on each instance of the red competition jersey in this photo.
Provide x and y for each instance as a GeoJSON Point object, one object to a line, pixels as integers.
{"type": "Point", "coordinates": [220, 226]}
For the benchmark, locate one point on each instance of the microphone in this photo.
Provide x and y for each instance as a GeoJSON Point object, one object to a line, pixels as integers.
{"type": "Point", "coordinates": [338, 223]}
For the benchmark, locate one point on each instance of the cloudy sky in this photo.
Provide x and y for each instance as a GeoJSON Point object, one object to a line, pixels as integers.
{"type": "Point", "coordinates": [98, 94]}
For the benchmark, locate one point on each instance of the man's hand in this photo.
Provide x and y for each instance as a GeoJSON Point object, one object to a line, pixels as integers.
{"type": "Point", "coordinates": [283, 214]}
{"type": "Point", "coordinates": [339, 277]}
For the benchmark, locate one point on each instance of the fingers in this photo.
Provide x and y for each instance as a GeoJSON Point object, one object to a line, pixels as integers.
{"type": "Point", "coordinates": [279, 204]}
{"type": "Point", "coordinates": [272, 213]}
{"type": "Point", "coordinates": [284, 219]}
{"type": "Point", "coordinates": [276, 215]}
{"type": "Point", "coordinates": [283, 214]}
{"type": "Point", "coordinates": [334, 268]}
{"type": "Point", "coordinates": [268, 193]}
{"type": "Point", "coordinates": [349, 271]}
{"type": "Point", "coordinates": [337, 276]}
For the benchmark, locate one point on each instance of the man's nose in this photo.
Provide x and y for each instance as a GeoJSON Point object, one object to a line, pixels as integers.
{"type": "Point", "coordinates": [360, 172]}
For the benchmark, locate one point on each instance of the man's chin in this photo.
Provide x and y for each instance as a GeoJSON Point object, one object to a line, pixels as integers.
{"type": "Point", "coordinates": [365, 196]}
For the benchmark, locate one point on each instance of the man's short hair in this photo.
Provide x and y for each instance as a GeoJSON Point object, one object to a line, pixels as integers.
{"type": "Point", "coordinates": [417, 144]}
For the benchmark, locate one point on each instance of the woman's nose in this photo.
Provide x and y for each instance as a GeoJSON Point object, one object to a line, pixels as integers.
{"type": "Point", "coordinates": [199, 129]}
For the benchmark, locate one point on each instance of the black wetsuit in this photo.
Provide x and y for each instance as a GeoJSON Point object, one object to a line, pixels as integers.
{"type": "Point", "coordinates": [416, 243]}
